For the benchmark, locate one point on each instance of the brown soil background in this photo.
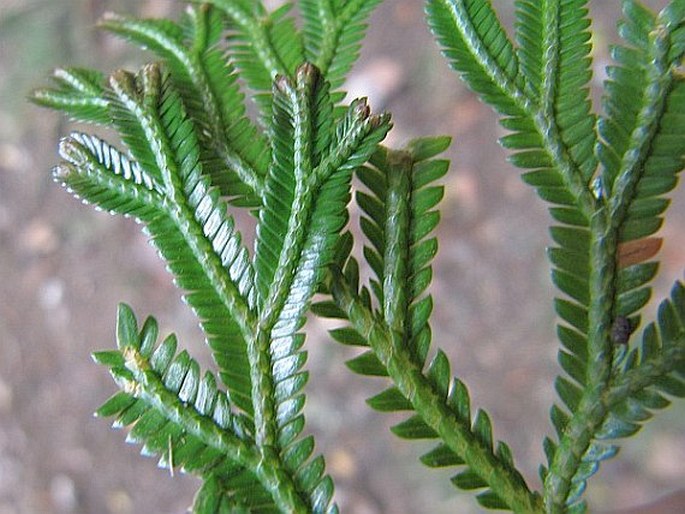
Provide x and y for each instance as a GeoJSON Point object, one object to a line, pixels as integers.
{"type": "Point", "coordinates": [64, 267]}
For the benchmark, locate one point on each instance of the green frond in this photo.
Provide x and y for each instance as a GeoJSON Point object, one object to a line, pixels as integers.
{"type": "Point", "coordinates": [98, 173]}
{"type": "Point", "coordinates": [552, 129]}
{"type": "Point", "coordinates": [530, 40]}
{"type": "Point", "coordinates": [554, 62]}
{"type": "Point", "coordinates": [585, 356]}
{"type": "Point", "coordinates": [398, 217]}
{"type": "Point", "coordinates": [439, 406]}
{"type": "Point", "coordinates": [644, 104]}
{"type": "Point", "coordinates": [308, 186]}
{"type": "Point", "coordinates": [295, 118]}
{"type": "Point", "coordinates": [180, 416]}
{"type": "Point", "coordinates": [643, 379]}
{"type": "Point", "coordinates": [566, 82]}
{"type": "Point", "coordinates": [642, 149]}
{"type": "Point", "coordinates": [400, 192]}
{"type": "Point", "coordinates": [398, 220]}
{"type": "Point", "coordinates": [125, 98]}
{"type": "Point", "coordinates": [234, 152]}
{"type": "Point", "coordinates": [332, 33]}
{"type": "Point", "coordinates": [262, 45]}
{"type": "Point", "coordinates": [78, 92]}
{"type": "Point", "coordinates": [476, 45]}
{"type": "Point", "coordinates": [183, 215]}
{"type": "Point", "coordinates": [307, 191]}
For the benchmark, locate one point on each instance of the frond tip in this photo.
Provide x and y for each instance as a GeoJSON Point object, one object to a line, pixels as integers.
{"type": "Point", "coordinates": [78, 92]}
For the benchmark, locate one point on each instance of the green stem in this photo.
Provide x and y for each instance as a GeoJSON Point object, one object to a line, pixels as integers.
{"type": "Point", "coordinates": [591, 411]}
{"type": "Point", "coordinates": [397, 241]}
{"type": "Point", "coordinates": [431, 406]}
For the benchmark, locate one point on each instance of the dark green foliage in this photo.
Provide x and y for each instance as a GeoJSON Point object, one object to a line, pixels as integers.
{"type": "Point", "coordinates": [540, 86]}
{"type": "Point", "coordinates": [190, 155]}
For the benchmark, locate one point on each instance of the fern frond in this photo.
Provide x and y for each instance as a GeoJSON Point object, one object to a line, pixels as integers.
{"type": "Point", "coordinates": [309, 155]}
{"type": "Point", "coordinates": [234, 151]}
{"type": "Point", "coordinates": [79, 93]}
{"type": "Point", "coordinates": [476, 45]}
{"type": "Point", "coordinates": [99, 174]}
{"type": "Point", "coordinates": [551, 131]}
{"type": "Point", "coordinates": [183, 418]}
{"type": "Point", "coordinates": [399, 217]}
{"type": "Point", "coordinates": [644, 103]}
{"type": "Point", "coordinates": [262, 45]}
{"type": "Point", "coordinates": [307, 191]}
{"type": "Point", "coordinates": [441, 406]}
{"type": "Point", "coordinates": [398, 221]}
{"type": "Point", "coordinates": [186, 221]}
{"type": "Point", "coordinates": [554, 54]}
{"type": "Point", "coordinates": [332, 33]}
{"type": "Point", "coordinates": [603, 290]}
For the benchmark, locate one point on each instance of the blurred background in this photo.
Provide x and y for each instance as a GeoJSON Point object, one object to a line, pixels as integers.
{"type": "Point", "coordinates": [64, 268]}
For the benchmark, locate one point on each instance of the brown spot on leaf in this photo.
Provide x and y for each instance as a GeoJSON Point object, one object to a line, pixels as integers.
{"type": "Point", "coordinates": [640, 250]}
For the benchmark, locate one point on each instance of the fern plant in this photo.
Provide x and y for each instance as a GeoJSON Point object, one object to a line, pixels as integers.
{"type": "Point", "coordinates": [192, 156]}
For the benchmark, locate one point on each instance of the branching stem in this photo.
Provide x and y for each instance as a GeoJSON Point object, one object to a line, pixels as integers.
{"type": "Point", "coordinates": [430, 404]}
{"type": "Point", "coordinates": [637, 379]}
{"type": "Point", "coordinates": [591, 411]}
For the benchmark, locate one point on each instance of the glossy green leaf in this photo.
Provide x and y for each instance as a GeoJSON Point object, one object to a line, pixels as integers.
{"type": "Point", "coordinates": [390, 400]}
